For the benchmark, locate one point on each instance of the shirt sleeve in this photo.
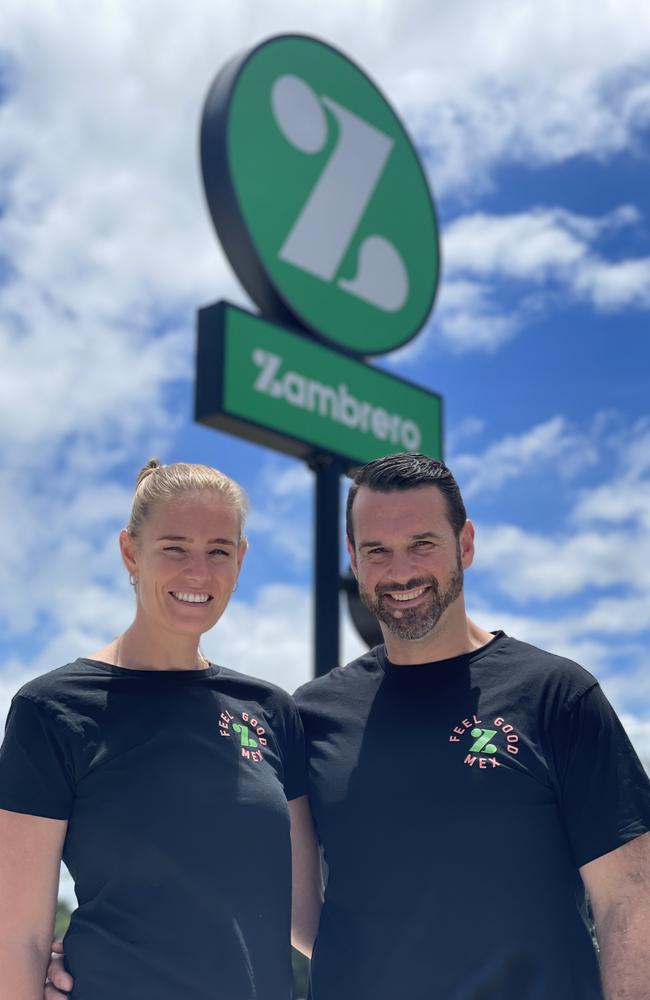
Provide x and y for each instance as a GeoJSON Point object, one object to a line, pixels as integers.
{"type": "Point", "coordinates": [34, 774]}
{"type": "Point", "coordinates": [293, 754]}
{"type": "Point", "coordinates": [603, 788]}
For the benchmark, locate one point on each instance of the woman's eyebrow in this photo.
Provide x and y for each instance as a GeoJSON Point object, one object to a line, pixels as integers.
{"type": "Point", "coordinates": [184, 538]}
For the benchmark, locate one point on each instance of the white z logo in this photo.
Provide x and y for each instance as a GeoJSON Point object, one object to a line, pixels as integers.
{"type": "Point", "coordinates": [269, 363]}
{"type": "Point", "coordinates": [322, 233]}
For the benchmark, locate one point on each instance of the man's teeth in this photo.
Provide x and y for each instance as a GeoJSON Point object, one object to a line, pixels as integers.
{"type": "Point", "coordinates": [191, 598]}
{"type": "Point", "coordinates": [407, 595]}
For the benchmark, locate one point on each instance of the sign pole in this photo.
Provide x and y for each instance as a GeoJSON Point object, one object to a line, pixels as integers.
{"type": "Point", "coordinates": [326, 563]}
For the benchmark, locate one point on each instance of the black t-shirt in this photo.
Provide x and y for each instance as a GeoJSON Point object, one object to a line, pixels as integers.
{"type": "Point", "coordinates": [175, 787]}
{"type": "Point", "coordinates": [455, 802]}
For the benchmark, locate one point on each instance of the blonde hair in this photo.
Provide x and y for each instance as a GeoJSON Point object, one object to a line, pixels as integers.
{"type": "Point", "coordinates": [157, 483]}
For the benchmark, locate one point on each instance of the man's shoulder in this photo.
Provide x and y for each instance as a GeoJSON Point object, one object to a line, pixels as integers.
{"type": "Point", "coordinates": [541, 666]}
{"type": "Point", "coordinates": [339, 679]}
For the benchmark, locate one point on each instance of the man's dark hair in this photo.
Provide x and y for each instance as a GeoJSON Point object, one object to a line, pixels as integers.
{"type": "Point", "coordinates": [405, 471]}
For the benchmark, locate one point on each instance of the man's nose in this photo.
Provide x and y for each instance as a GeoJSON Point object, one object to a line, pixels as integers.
{"type": "Point", "coordinates": [402, 567]}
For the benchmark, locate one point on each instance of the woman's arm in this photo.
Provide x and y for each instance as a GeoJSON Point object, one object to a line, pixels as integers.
{"type": "Point", "coordinates": [30, 858]}
{"type": "Point", "coordinates": [307, 879]}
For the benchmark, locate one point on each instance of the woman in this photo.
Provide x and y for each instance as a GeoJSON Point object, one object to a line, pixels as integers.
{"type": "Point", "coordinates": [163, 781]}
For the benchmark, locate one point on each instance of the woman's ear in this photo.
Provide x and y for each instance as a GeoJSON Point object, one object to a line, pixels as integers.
{"type": "Point", "coordinates": [242, 549]}
{"type": "Point", "coordinates": [128, 550]}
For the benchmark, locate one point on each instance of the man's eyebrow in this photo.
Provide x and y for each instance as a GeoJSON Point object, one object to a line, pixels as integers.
{"type": "Point", "coordinates": [417, 536]}
{"type": "Point", "coordinates": [369, 545]}
{"type": "Point", "coordinates": [184, 538]}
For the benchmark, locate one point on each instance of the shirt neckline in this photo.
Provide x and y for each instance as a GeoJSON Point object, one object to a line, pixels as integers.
{"type": "Point", "coordinates": [436, 668]}
{"type": "Point", "coordinates": [190, 676]}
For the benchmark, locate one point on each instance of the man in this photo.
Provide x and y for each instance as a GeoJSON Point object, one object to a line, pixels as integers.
{"type": "Point", "coordinates": [466, 787]}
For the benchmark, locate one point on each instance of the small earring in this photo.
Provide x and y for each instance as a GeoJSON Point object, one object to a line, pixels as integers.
{"type": "Point", "coordinates": [132, 580]}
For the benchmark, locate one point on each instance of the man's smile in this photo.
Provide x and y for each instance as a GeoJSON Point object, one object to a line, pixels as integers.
{"type": "Point", "coordinates": [406, 595]}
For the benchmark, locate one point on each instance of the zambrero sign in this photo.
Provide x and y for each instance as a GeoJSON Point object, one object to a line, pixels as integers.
{"type": "Point", "coordinates": [322, 206]}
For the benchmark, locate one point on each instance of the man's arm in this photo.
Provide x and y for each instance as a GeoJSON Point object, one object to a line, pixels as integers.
{"type": "Point", "coordinates": [307, 880]}
{"type": "Point", "coordinates": [618, 884]}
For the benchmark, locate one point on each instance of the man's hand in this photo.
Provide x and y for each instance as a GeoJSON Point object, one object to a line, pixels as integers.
{"type": "Point", "coordinates": [59, 982]}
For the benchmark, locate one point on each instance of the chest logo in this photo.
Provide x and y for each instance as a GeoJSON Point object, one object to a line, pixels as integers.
{"type": "Point", "coordinates": [249, 734]}
{"type": "Point", "coordinates": [483, 737]}
{"type": "Point", "coordinates": [485, 741]}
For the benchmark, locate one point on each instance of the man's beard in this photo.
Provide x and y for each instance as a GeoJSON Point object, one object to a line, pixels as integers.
{"type": "Point", "coordinates": [417, 622]}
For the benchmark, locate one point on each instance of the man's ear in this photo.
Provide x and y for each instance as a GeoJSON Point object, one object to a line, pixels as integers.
{"type": "Point", "coordinates": [129, 552]}
{"type": "Point", "coordinates": [352, 554]}
{"type": "Point", "coordinates": [466, 542]}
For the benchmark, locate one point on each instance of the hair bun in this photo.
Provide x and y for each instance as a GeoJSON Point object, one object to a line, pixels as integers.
{"type": "Point", "coordinates": [146, 470]}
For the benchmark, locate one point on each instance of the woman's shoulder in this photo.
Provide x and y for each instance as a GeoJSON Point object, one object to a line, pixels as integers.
{"type": "Point", "coordinates": [51, 685]}
{"type": "Point", "coordinates": [257, 689]}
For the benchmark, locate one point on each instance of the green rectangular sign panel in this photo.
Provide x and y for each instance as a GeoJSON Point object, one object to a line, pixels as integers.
{"type": "Point", "coordinates": [268, 384]}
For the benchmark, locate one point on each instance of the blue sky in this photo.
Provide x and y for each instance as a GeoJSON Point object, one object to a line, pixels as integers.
{"type": "Point", "coordinates": [533, 121]}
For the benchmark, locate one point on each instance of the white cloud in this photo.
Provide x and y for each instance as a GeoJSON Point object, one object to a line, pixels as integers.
{"type": "Point", "coordinates": [290, 538]}
{"type": "Point", "coordinates": [289, 481]}
{"type": "Point", "coordinates": [535, 84]}
{"type": "Point", "coordinates": [615, 285]}
{"type": "Point", "coordinates": [580, 556]}
{"type": "Point", "coordinates": [69, 375]}
{"type": "Point", "coordinates": [528, 566]}
{"type": "Point", "coordinates": [546, 252]}
{"type": "Point", "coordinates": [60, 546]}
{"type": "Point", "coordinates": [468, 318]}
{"type": "Point", "coordinates": [524, 245]}
{"type": "Point", "coordinates": [465, 429]}
{"type": "Point", "coordinates": [548, 248]}
{"type": "Point", "coordinates": [625, 500]}
{"type": "Point", "coordinates": [552, 443]}
{"type": "Point", "coordinates": [636, 450]}
{"type": "Point", "coordinates": [618, 616]}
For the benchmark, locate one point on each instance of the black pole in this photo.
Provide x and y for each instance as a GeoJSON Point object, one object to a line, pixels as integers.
{"type": "Point", "coordinates": [326, 563]}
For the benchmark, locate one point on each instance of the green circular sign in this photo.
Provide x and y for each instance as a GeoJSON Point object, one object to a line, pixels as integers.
{"type": "Point", "coordinates": [318, 196]}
